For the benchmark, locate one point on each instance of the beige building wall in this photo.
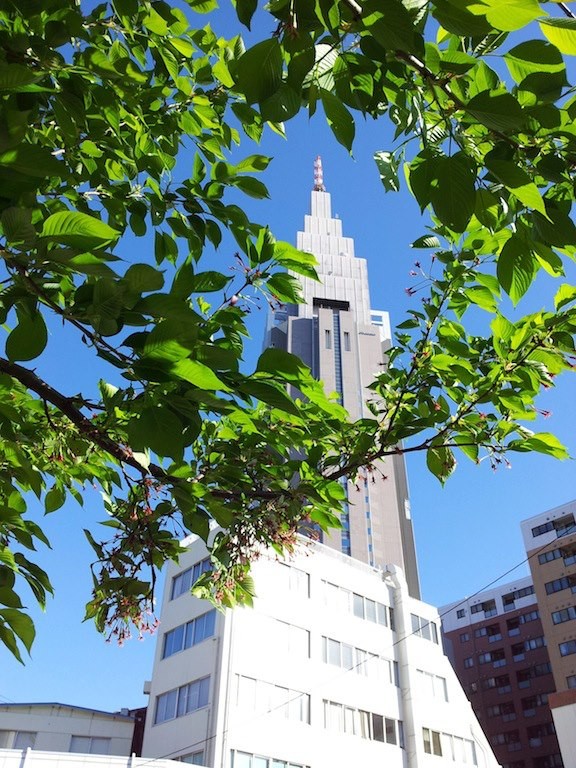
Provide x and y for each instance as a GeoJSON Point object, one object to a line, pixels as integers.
{"type": "Point", "coordinates": [550, 541]}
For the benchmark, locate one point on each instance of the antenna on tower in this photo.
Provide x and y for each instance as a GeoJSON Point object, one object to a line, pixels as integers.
{"type": "Point", "coordinates": [318, 175]}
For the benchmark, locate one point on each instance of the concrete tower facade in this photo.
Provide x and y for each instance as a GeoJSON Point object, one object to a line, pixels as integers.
{"type": "Point", "coordinates": [344, 342]}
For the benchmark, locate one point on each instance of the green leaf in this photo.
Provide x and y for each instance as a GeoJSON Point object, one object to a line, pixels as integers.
{"type": "Point", "coordinates": [453, 194]}
{"type": "Point", "coordinates": [285, 288]}
{"type": "Point", "coordinates": [561, 33]}
{"type": "Point", "coordinates": [390, 24]}
{"type": "Point", "coordinates": [497, 111]}
{"type": "Point", "coordinates": [78, 230]}
{"type": "Point", "coordinates": [270, 394]}
{"type": "Point", "coordinates": [426, 241]}
{"type": "Point", "coordinates": [564, 295]}
{"type": "Point", "coordinates": [245, 9]}
{"type": "Point", "coordinates": [9, 598]}
{"type": "Point", "coordinates": [33, 160]}
{"type": "Point", "coordinates": [207, 282]}
{"type": "Point", "coordinates": [284, 104]}
{"type": "Point", "coordinates": [143, 278]}
{"type": "Point", "coordinates": [441, 462]}
{"type": "Point", "coordinates": [28, 340]}
{"type": "Point", "coordinates": [509, 15]}
{"type": "Point", "coordinates": [297, 261]}
{"type": "Point", "coordinates": [388, 164]}
{"type": "Point", "coordinates": [54, 499]}
{"type": "Point", "coordinates": [531, 57]}
{"type": "Point", "coordinates": [253, 163]}
{"type": "Point", "coordinates": [14, 76]}
{"type": "Point", "coordinates": [259, 71]}
{"type": "Point", "coordinates": [516, 268]}
{"type": "Point", "coordinates": [160, 430]}
{"type": "Point", "coordinates": [339, 119]}
{"type": "Point", "coordinates": [203, 6]}
{"type": "Point", "coordinates": [20, 624]}
{"type": "Point", "coordinates": [198, 374]}
{"type": "Point", "coordinates": [542, 442]}
{"type": "Point", "coordinates": [517, 181]}
{"type": "Point", "coordinates": [251, 187]}
{"type": "Point", "coordinates": [284, 365]}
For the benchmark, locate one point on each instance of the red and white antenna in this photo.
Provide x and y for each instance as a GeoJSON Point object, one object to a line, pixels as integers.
{"type": "Point", "coordinates": [318, 175]}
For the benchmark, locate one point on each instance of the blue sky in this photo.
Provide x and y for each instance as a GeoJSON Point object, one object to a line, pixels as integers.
{"type": "Point", "coordinates": [467, 533]}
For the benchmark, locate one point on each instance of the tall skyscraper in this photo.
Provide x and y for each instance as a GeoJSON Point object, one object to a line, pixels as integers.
{"type": "Point", "coordinates": [344, 342]}
{"type": "Point", "coordinates": [338, 663]}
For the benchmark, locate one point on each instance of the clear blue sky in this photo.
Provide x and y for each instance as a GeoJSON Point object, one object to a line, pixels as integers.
{"type": "Point", "coordinates": [467, 534]}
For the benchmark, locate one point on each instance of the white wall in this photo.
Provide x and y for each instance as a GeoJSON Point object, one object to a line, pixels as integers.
{"type": "Point", "coordinates": [247, 644]}
{"type": "Point", "coordinates": [55, 724]}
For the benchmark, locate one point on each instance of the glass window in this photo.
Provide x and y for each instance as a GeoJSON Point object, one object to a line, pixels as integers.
{"type": "Point", "coordinates": [347, 656]}
{"type": "Point", "coordinates": [166, 706]}
{"type": "Point", "coordinates": [390, 731]}
{"type": "Point", "coordinates": [381, 611]}
{"type": "Point", "coordinates": [194, 758]}
{"type": "Point", "coordinates": [90, 745]}
{"type": "Point", "coordinates": [334, 652]}
{"type": "Point", "coordinates": [370, 610]}
{"type": "Point", "coordinates": [173, 641]}
{"type": "Point", "coordinates": [358, 605]}
{"type": "Point", "coordinates": [27, 739]}
{"type": "Point", "coordinates": [377, 727]}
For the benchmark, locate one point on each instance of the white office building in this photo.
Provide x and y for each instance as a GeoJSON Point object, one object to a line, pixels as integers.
{"type": "Point", "coordinates": [336, 665]}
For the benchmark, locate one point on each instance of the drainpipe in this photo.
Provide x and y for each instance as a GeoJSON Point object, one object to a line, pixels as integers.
{"type": "Point", "coordinates": [394, 577]}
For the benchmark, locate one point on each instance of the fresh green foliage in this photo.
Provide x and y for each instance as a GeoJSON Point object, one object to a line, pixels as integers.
{"type": "Point", "coordinates": [97, 105]}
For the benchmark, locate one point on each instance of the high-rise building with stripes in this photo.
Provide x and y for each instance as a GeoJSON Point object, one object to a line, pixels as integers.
{"type": "Point", "coordinates": [344, 342]}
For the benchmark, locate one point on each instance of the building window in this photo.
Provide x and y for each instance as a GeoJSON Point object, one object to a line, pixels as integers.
{"type": "Point", "coordinates": [547, 557]}
{"type": "Point", "coordinates": [497, 658]}
{"type": "Point", "coordinates": [518, 652]}
{"type": "Point", "coordinates": [183, 581]}
{"type": "Point", "coordinates": [468, 662]}
{"type": "Point", "coordinates": [90, 745]}
{"type": "Point", "coordinates": [571, 681]}
{"type": "Point", "coordinates": [269, 699]}
{"type": "Point", "coordinates": [567, 614]}
{"type": "Point", "coordinates": [567, 648]}
{"type": "Point", "coordinates": [508, 600]}
{"type": "Point", "coordinates": [492, 632]}
{"type": "Point", "coordinates": [501, 683]}
{"type": "Point", "coordinates": [362, 662]}
{"type": "Point", "coordinates": [549, 761]}
{"type": "Point", "coordinates": [464, 637]}
{"type": "Point", "coordinates": [358, 722]}
{"type": "Point", "coordinates": [530, 704]}
{"type": "Point", "coordinates": [327, 339]}
{"type": "Point", "coordinates": [506, 711]}
{"type": "Point", "coordinates": [246, 760]}
{"type": "Point", "coordinates": [187, 635]}
{"type": "Point", "coordinates": [424, 628]}
{"type": "Point", "coordinates": [17, 739]}
{"type": "Point", "coordinates": [460, 613]}
{"type": "Point", "coordinates": [433, 685]}
{"type": "Point", "coordinates": [181, 701]}
{"type": "Point", "coordinates": [488, 606]}
{"type": "Point", "coordinates": [346, 341]}
{"type": "Point", "coordinates": [193, 758]}
{"type": "Point", "coordinates": [538, 732]}
{"type": "Point", "coordinates": [562, 526]}
{"type": "Point", "coordinates": [557, 585]}
{"type": "Point", "coordinates": [432, 745]}
{"type": "Point", "coordinates": [362, 607]}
